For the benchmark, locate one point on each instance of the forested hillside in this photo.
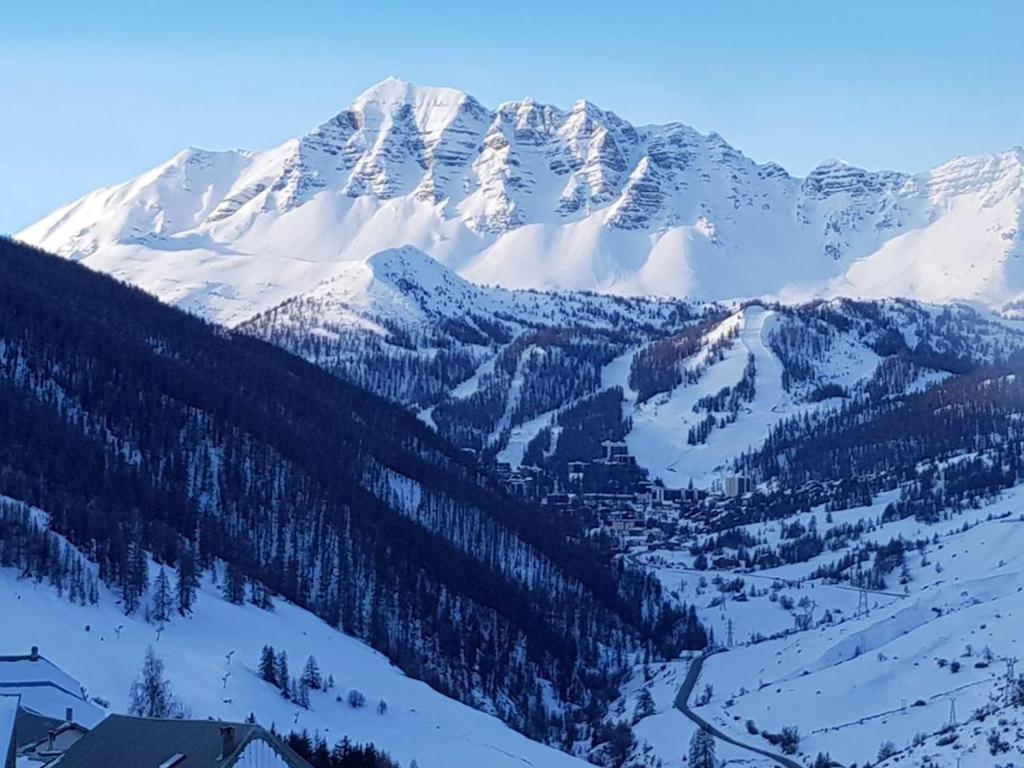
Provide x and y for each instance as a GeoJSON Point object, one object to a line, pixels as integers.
{"type": "Point", "coordinates": [141, 428]}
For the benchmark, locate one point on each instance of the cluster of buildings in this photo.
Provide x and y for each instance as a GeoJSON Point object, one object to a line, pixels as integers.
{"type": "Point", "coordinates": [625, 504]}
{"type": "Point", "coordinates": [46, 719]}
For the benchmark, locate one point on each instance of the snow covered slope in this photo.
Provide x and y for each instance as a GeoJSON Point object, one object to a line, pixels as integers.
{"type": "Point", "coordinates": [922, 665]}
{"type": "Point", "coordinates": [211, 660]}
{"type": "Point", "coordinates": [493, 368]}
{"type": "Point", "coordinates": [868, 593]}
{"type": "Point", "coordinates": [532, 195]}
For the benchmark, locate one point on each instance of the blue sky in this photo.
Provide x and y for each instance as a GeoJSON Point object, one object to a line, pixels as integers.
{"type": "Point", "coordinates": [95, 93]}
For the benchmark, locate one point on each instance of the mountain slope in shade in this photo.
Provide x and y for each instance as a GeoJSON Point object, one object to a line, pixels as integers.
{"type": "Point", "coordinates": [136, 425]}
{"type": "Point", "coordinates": [531, 195]}
{"type": "Point", "coordinates": [212, 665]}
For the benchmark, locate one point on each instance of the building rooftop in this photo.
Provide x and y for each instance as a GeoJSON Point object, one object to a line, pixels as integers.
{"type": "Point", "coordinates": [137, 742]}
{"type": "Point", "coordinates": [46, 689]}
{"type": "Point", "coordinates": [8, 715]}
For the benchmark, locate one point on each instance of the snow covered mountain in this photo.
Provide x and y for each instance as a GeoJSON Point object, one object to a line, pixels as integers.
{"type": "Point", "coordinates": [147, 434]}
{"type": "Point", "coordinates": [887, 467]}
{"type": "Point", "coordinates": [506, 371]}
{"type": "Point", "coordinates": [433, 252]}
{"type": "Point", "coordinates": [531, 195]}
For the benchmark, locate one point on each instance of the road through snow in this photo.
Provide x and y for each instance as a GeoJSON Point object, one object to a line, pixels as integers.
{"type": "Point", "coordinates": [682, 703]}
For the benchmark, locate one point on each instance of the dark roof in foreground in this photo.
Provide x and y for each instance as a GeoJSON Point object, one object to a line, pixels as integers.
{"type": "Point", "coordinates": [31, 726]}
{"type": "Point", "coordinates": [139, 742]}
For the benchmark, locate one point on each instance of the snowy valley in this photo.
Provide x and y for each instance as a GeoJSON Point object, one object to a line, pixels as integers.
{"type": "Point", "coordinates": [569, 440]}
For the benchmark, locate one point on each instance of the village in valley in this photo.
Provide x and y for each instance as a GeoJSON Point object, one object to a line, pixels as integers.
{"type": "Point", "coordinates": [634, 511]}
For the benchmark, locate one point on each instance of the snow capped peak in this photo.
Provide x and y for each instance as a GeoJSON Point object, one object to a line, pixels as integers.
{"type": "Point", "coordinates": [590, 109]}
{"type": "Point", "coordinates": [836, 176]}
{"type": "Point", "coordinates": [390, 89]}
{"type": "Point", "coordinates": [432, 108]}
{"type": "Point", "coordinates": [833, 166]}
{"type": "Point", "coordinates": [530, 195]}
{"type": "Point", "coordinates": [409, 264]}
{"type": "Point", "coordinates": [393, 91]}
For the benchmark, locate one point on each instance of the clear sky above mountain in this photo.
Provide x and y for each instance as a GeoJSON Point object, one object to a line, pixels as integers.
{"type": "Point", "coordinates": [96, 93]}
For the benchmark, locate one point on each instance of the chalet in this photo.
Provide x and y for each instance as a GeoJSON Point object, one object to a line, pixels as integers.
{"type": "Point", "coordinates": [139, 742]}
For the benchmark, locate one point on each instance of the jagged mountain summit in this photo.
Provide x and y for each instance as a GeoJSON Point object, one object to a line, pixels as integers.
{"type": "Point", "coordinates": [531, 195]}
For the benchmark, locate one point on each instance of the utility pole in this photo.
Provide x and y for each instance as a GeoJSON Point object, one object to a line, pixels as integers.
{"type": "Point", "coordinates": [863, 609]}
{"type": "Point", "coordinates": [952, 711]}
{"type": "Point", "coordinates": [1011, 665]}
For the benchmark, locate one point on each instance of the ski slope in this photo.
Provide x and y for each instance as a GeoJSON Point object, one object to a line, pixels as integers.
{"type": "Point", "coordinates": [660, 425]}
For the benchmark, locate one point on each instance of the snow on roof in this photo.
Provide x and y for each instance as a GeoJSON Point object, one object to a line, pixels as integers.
{"type": "Point", "coordinates": [8, 714]}
{"type": "Point", "coordinates": [29, 669]}
{"type": "Point", "coordinates": [46, 689]}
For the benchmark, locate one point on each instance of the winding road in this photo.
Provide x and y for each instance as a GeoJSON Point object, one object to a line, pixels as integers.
{"type": "Point", "coordinates": [683, 705]}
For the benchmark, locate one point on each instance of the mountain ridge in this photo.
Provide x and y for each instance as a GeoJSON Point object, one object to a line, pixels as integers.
{"type": "Point", "coordinates": [529, 195]}
{"type": "Point", "coordinates": [495, 370]}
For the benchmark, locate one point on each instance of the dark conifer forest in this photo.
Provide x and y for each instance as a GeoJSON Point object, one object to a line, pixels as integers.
{"type": "Point", "coordinates": [141, 429]}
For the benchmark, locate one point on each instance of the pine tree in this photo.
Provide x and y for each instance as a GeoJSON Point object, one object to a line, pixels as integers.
{"type": "Point", "coordinates": [311, 677]}
{"type": "Point", "coordinates": [644, 705]}
{"type": "Point", "coordinates": [134, 577]}
{"type": "Point", "coordinates": [259, 595]}
{"type": "Point", "coordinates": [268, 665]}
{"type": "Point", "coordinates": [702, 750]}
{"type": "Point", "coordinates": [161, 597]}
{"type": "Point", "coordinates": [283, 677]}
{"type": "Point", "coordinates": [300, 694]}
{"type": "Point", "coordinates": [188, 581]}
{"type": "Point", "coordinates": [321, 754]}
{"type": "Point", "coordinates": [233, 588]}
{"type": "Point", "coordinates": [151, 693]}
